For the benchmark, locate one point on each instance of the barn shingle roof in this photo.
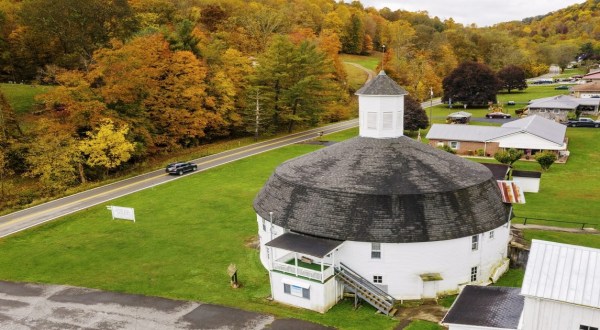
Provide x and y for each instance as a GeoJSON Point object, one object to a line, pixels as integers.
{"type": "Point", "coordinates": [382, 190]}
{"type": "Point", "coordinates": [381, 85]}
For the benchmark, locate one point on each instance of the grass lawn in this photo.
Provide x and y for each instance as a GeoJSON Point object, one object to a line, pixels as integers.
{"type": "Point", "coordinates": [181, 227]}
{"type": "Point", "coordinates": [356, 76]}
{"type": "Point", "coordinates": [21, 96]}
{"type": "Point", "coordinates": [369, 62]}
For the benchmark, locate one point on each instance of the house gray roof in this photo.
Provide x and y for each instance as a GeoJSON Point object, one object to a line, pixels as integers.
{"type": "Point", "coordinates": [541, 127]}
{"type": "Point", "coordinates": [536, 125]}
{"type": "Point", "coordinates": [460, 114]}
{"type": "Point", "coordinates": [490, 307]}
{"type": "Point", "coordinates": [467, 132]}
{"type": "Point", "coordinates": [382, 190]}
{"type": "Point", "coordinates": [563, 272]}
{"type": "Point", "coordinates": [589, 87]}
{"type": "Point", "coordinates": [381, 85]}
{"type": "Point", "coordinates": [562, 102]}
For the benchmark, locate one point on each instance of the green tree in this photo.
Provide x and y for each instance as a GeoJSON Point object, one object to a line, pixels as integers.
{"type": "Point", "coordinates": [545, 159]}
{"type": "Point", "coordinates": [414, 116]}
{"type": "Point", "coordinates": [508, 157]}
{"type": "Point", "coordinates": [297, 83]}
{"type": "Point", "coordinates": [512, 77]}
{"type": "Point", "coordinates": [471, 83]}
{"type": "Point", "coordinates": [353, 36]}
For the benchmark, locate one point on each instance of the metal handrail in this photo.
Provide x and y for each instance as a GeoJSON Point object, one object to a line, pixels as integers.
{"type": "Point", "coordinates": [365, 283]}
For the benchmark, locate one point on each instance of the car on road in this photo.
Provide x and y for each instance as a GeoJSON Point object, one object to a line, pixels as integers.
{"type": "Point", "coordinates": [583, 122]}
{"type": "Point", "coordinates": [497, 115]}
{"type": "Point", "coordinates": [562, 87]}
{"type": "Point", "coordinates": [511, 103]}
{"type": "Point", "coordinates": [181, 167]}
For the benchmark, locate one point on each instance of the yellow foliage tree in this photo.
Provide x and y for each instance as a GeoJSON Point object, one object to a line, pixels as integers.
{"type": "Point", "coordinates": [108, 146]}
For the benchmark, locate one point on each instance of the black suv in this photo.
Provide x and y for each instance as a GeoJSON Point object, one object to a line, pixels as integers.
{"type": "Point", "coordinates": [181, 167]}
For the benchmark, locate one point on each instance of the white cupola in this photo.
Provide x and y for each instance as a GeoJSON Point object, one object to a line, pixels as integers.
{"type": "Point", "coordinates": [381, 108]}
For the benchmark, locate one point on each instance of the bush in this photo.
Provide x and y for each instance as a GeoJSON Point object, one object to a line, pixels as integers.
{"type": "Point", "coordinates": [447, 149]}
{"type": "Point", "coordinates": [545, 159]}
{"type": "Point", "coordinates": [508, 157]}
{"type": "Point", "coordinates": [480, 152]}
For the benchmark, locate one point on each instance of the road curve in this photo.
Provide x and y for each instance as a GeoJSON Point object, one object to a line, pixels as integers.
{"type": "Point", "coordinates": [33, 216]}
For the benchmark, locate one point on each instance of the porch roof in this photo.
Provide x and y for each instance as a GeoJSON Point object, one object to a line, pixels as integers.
{"type": "Point", "coordinates": [313, 246]}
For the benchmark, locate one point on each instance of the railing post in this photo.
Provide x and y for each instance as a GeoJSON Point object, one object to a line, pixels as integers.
{"type": "Point", "coordinates": [524, 221]}
{"type": "Point", "coordinates": [582, 226]}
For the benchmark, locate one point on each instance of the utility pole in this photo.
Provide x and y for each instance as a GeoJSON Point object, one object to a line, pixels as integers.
{"type": "Point", "coordinates": [430, 105]}
{"type": "Point", "coordinates": [383, 58]}
{"type": "Point", "coordinates": [257, 112]}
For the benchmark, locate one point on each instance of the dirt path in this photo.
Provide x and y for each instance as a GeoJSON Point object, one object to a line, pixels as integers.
{"type": "Point", "coordinates": [429, 311]}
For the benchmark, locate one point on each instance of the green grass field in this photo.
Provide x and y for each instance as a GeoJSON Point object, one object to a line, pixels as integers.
{"type": "Point", "coordinates": [423, 325]}
{"type": "Point", "coordinates": [369, 62]}
{"type": "Point", "coordinates": [22, 96]}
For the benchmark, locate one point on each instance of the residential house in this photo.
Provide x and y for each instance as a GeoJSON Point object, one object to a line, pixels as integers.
{"type": "Point", "coordinates": [558, 107]}
{"type": "Point", "coordinates": [589, 90]}
{"type": "Point", "coordinates": [530, 134]}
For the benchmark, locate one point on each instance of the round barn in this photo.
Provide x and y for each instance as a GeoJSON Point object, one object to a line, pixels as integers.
{"type": "Point", "coordinates": [380, 215]}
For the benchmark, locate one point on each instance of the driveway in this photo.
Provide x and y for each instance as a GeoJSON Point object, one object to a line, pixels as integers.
{"type": "Point", "coordinates": [46, 307]}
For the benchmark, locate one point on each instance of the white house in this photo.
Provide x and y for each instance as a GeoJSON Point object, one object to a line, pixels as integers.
{"type": "Point", "coordinates": [380, 215]}
{"type": "Point", "coordinates": [530, 134]}
{"type": "Point", "coordinates": [561, 287]}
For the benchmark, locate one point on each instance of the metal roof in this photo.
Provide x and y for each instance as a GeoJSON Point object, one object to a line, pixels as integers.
{"type": "Point", "coordinates": [563, 272]}
{"type": "Point", "coordinates": [381, 85]}
{"type": "Point", "coordinates": [592, 75]}
{"type": "Point", "coordinates": [541, 127]}
{"type": "Point", "coordinates": [313, 246]}
{"type": "Point", "coordinates": [511, 192]}
{"type": "Point", "coordinates": [468, 132]}
{"type": "Point", "coordinates": [499, 171]}
{"type": "Point", "coordinates": [490, 307]}
{"type": "Point", "coordinates": [566, 102]}
{"type": "Point", "coordinates": [460, 114]}
{"type": "Point", "coordinates": [589, 87]}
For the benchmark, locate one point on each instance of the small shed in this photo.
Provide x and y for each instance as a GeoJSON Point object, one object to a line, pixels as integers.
{"type": "Point", "coordinates": [529, 181]}
{"type": "Point", "coordinates": [460, 117]}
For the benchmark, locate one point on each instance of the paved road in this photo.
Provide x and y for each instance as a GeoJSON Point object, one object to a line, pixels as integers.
{"type": "Point", "coordinates": [34, 306]}
{"type": "Point", "coordinates": [21, 220]}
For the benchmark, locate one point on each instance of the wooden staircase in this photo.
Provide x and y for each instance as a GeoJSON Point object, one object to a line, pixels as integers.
{"type": "Point", "coordinates": [366, 290]}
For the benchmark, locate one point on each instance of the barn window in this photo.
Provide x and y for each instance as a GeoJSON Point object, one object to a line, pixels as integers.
{"type": "Point", "coordinates": [372, 120]}
{"type": "Point", "coordinates": [297, 291]}
{"type": "Point", "coordinates": [379, 279]}
{"type": "Point", "coordinates": [454, 144]}
{"type": "Point", "coordinates": [491, 234]}
{"type": "Point", "coordinates": [388, 123]}
{"type": "Point", "coordinates": [399, 118]}
{"type": "Point", "coordinates": [475, 242]}
{"type": "Point", "coordinates": [375, 250]}
{"type": "Point", "coordinates": [587, 327]}
{"type": "Point", "coordinates": [474, 275]}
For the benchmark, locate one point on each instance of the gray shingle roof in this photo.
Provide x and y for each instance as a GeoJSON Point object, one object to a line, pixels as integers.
{"type": "Point", "coordinates": [381, 85]}
{"type": "Point", "coordinates": [313, 246]}
{"type": "Point", "coordinates": [382, 190]}
{"type": "Point", "coordinates": [494, 307]}
{"type": "Point", "coordinates": [540, 126]}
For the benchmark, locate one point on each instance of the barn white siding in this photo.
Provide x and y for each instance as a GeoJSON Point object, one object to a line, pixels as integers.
{"type": "Point", "coordinates": [544, 314]}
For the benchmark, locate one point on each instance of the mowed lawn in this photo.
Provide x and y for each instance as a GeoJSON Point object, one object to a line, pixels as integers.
{"type": "Point", "coordinates": [187, 232]}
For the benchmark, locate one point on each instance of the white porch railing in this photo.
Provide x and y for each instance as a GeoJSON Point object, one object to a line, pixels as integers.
{"type": "Point", "coordinates": [304, 272]}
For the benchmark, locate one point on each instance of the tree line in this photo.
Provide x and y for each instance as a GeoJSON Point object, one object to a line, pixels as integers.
{"type": "Point", "coordinates": [138, 78]}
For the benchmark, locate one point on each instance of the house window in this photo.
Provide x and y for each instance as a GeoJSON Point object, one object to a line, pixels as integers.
{"type": "Point", "coordinates": [377, 279]}
{"type": "Point", "coordinates": [375, 250]}
{"type": "Point", "coordinates": [473, 274]}
{"type": "Point", "coordinates": [475, 242]}
{"type": "Point", "coordinates": [587, 327]}
{"type": "Point", "coordinates": [388, 121]}
{"type": "Point", "coordinates": [372, 120]}
{"type": "Point", "coordinates": [454, 144]}
{"type": "Point", "coordinates": [556, 111]}
{"type": "Point", "coordinates": [297, 291]}
{"type": "Point", "coordinates": [264, 225]}
{"type": "Point", "coordinates": [491, 234]}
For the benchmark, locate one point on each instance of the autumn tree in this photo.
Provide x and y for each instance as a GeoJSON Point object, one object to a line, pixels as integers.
{"type": "Point", "coordinates": [9, 127]}
{"type": "Point", "coordinates": [414, 116]}
{"type": "Point", "coordinates": [353, 36]}
{"type": "Point", "coordinates": [471, 83]}
{"type": "Point", "coordinates": [512, 77]}
{"type": "Point", "coordinates": [107, 147]}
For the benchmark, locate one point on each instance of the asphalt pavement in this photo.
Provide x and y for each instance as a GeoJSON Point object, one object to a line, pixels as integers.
{"type": "Point", "coordinates": [46, 307]}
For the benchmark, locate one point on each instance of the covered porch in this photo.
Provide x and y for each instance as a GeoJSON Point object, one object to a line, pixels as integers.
{"type": "Point", "coordinates": [303, 256]}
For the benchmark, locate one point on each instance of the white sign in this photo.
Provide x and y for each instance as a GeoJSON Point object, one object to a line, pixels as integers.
{"type": "Point", "coordinates": [126, 213]}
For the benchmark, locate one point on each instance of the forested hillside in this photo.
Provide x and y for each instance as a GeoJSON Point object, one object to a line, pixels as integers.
{"type": "Point", "coordinates": [139, 78]}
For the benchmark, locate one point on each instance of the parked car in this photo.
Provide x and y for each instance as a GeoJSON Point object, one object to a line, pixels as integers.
{"type": "Point", "coordinates": [583, 122]}
{"type": "Point", "coordinates": [496, 115]}
{"type": "Point", "coordinates": [181, 167]}
{"type": "Point", "coordinates": [511, 103]}
{"type": "Point", "coordinates": [562, 87]}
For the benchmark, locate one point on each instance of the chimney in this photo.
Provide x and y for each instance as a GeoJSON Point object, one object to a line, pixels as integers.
{"type": "Point", "coordinates": [381, 108]}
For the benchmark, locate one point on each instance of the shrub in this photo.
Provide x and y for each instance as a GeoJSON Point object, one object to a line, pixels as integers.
{"type": "Point", "coordinates": [508, 157]}
{"type": "Point", "coordinates": [545, 159]}
{"type": "Point", "coordinates": [480, 152]}
{"type": "Point", "coordinates": [447, 149]}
